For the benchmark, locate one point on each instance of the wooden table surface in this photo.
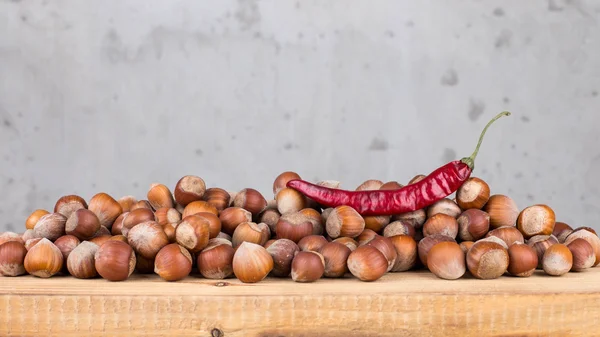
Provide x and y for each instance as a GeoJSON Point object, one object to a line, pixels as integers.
{"type": "Point", "coordinates": [399, 304]}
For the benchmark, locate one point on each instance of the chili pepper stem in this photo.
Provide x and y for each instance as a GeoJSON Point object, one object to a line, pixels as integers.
{"type": "Point", "coordinates": [470, 161]}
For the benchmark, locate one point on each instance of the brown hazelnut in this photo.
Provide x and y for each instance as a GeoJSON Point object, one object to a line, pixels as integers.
{"type": "Point", "coordinates": [441, 223]}
{"type": "Point", "coordinates": [270, 217]}
{"type": "Point", "coordinates": [473, 224]}
{"type": "Point", "coordinates": [82, 224]}
{"type": "Point", "coordinates": [233, 216]}
{"type": "Point", "coordinates": [81, 263]}
{"type": "Point", "coordinates": [312, 243]}
{"type": "Point", "coordinates": [251, 263]}
{"type": "Point", "coordinates": [370, 185]}
{"type": "Point", "coordinates": [425, 245]}
{"type": "Point", "coordinates": [416, 179]}
{"type": "Point", "coordinates": [28, 234]}
{"type": "Point", "coordinates": [282, 180]}
{"type": "Point", "coordinates": [487, 260]}
{"type": "Point", "coordinates": [446, 260]}
{"type": "Point", "coordinates": [167, 215]}
{"type": "Point", "coordinates": [386, 247]}
{"type": "Point", "coordinates": [335, 256]}
{"type": "Point", "coordinates": [473, 194]}
{"type": "Point", "coordinates": [169, 229]}
{"type": "Point", "coordinates": [121, 238]}
{"type": "Point", "coordinates": [503, 211]}
{"type": "Point", "coordinates": [540, 243]}
{"type": "Point", "coordinates": [509, 234]}
{"type": "Point", "coordinates": [100, 240]}
{"type": "Point", "coordinates": [106, 209]}
{"type": "Point", "coordinates": [367, 263]}
{"type": "Point", "coordinates": [189, 189]}
{"type": "Point", "coordinates": [44, 259]}
{"type": "Point", "coordinates": [217, 197]}
{"type": "Point", "coordinates": [193, 233]}
{"type": "Point", "coordinates": [282, 251]}
{"type": "Point", "coordinates": [10, 236]}
{"type": "Point", "coordinates": [160, 196]}
{"type": "Point", "coordinates": [214, 223]}
{"type": "Point", "coordinates": [406, 251]}
{"type": "Point", "coordinates": [557, 260]}
{"type": "Point", "coordinates": [250, 200]}
{"type": "Point", "coordinates": [583, 254]}
{"type": "Point", "coordinates": [173, 262]}
{"type": "Point", "coordinates": [51, 226]}
{"type": "Point", "coordinates": [127, 202]}
{"type": "Point", "coordinates": [32, 242]}
{"type": "Point", "coordinates": [523, 260]}
{"type": "Point", "coordinates": [33, 218]}
{"type": "Point", "coordinates": [307, 266]}
{"type": "Point", "coordinates": [293, 226]}
{"type": "Point", "coordinates": [115, 260]}
{"type": "Point", "coordinates": [224, 236]}
{"type": "Point", "coordinates": [117, 226]}
{"type": "Point", "coordinates": [325, 214]}
{"type": "Point", "coordinates": [391, 185]}
{"type": "Point", "coordinates": [399, 227]}
{"type": "Point", "coordinates": [588, 236]}
{"type": "Point", "coordinates": [444, 206]}
{"type": "Point", "coordinates": [494, 239]}
{"type": "Point", "coordinates": [315, 218]}
{"type": "Point", "coordinates": [102, 231]}
{"type": "Point", "coordinates": [12, 258]}
{"type": "Point", "coordinates": [135, 218]}
{"type": "Point", "coordinates": [329, 183]}
{"type": "Point", "coordinates": [561, 231]}
{"type": "Point", "coordinates": [147, 239]}
{"type": "Point", "coordinates": [289, 201]}
{"type": "Point", "coordinates": [251, 232]}
{"type": "Point", "coordinates": [216, 260]}
{"type": "Point", "coordinates": [196, 207]}
{"type": "Point", "coordinates": [141, 204]}
{"type": "Point", "coordinates": [344, 221]}
{"type": "Point", "coordinates": [348, 242]}
{"type": "Point", "coordinates": [366, 235]}
{"type": "Point", "coordinates": [466, 245]}
{"type": "Point", "coordinates": [415, 218]}
{"type": "Point", "coordinates": [68, 204]}
{"type": "Point", "coordinates": [536, 220]}
{"type": "Point", "coordinates": [66, 244]}
{"type": "Point", "coordinates": [377, 222]}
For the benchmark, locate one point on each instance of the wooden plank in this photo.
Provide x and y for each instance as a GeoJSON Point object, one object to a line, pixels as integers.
{"type": "Point", "coordinates": [399, 304]}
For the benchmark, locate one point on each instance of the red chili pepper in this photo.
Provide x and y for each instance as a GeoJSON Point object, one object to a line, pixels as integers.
{"type": "Point", "coordinates": [436, 186]}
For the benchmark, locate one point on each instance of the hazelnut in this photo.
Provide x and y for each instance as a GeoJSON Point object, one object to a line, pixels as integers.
{"type": "Point", "coordinates": [583, 254]}
{"type": "Point", "coordinates": [282, 180]}
{"type": "Point", "coordinates": [106, 209]}
{"type": "Point", "coordinates": [214, 223]}
{"type": "Point", "coordinates": [251, 263]}
{"type": "Point", "coordinates": [348, 242]}
{"type": "Point", "coordinates": [224, 236]}
{"type": "Point", "coordinates": [441, 223]}
{"type": "Point", "coordinates": [173, 263]}
{"type": "Point", "coordinates": [367, 263]}
{"type": "Point", "coordinates": [473, 224]}
{"type": "Point", "coordinates": [216, 260]}
{"type": "Point", "coordinates": [370, 185]}
{"type": "Point", "coordinates": [12, 258]}
{"type": "Point", "coordinates": [561, 231]}
{"type": "Point", "coordinates": [399, 227]}
{"type": "Point", "coordinates": [233, 216]}
{"type": "Point", "coordinates": [195, 207]}
{"type": "Point", "coordinates": [377, 222]}
{"type": "Point", "coordinates": [193, 233]}
{"type": "Point", "coordinates": [406, 251]}
{"type": "Point", "coordinates": [282, 251]}
{"type": "Point", "coordinates": [68, 204]}
{"type": "Point", "coordinates": [232, 195]}
{"type": "Point", "coordinates": [251, 232]}
{"type": "Point", "coordinates": [503, 211]}
{"type": "Point", "coordinates": [270, 217]}
{"type": "Point", "coordinates": [344, 221]}
{"type": "Point", "coordinates": [147, 239]}
{"type": "Point", "coordinates": [523, 260]}
{"type": "Point", "coordinates": [166, 215]}
{"type": "Point", "coordinates": [121, 238]}
{"type": "Point", "coordinates": [32, 242]}
{"type": "Point", "coordinates": [312, 243]}
{"type": "Point", "coordinates": [588, 236]}
{"type": "Point", "coordinates": [135, 218]}
{"type": "Point", "coordinates": [307, 266]}
{"type": "Point", "coordinates": [325, 214]}
{"type": "Point", "coordinates": [416, 179]}
{"type": "Point", "coordinates": [66, 244]}
{"type": "Point", "coordinates": [10, 236]}
{"type": "Point", "coordinates": [473, 194]}
{"type": "Point", "coordinates": [293, 226]}
{"type": "Point", "coordinates": [446, 260]}
{"type": "Point", "coordinates": [494, 239]}
{"type": "Point", "coordinates": [141, 204]}
{"type": "Point", "coordinates": [510, 235]}
{"type": "Point", "coordinates": [34, 217]}
{"type": "Point", "coordinates": [102, 231]}
{"type": "Point", "coordinates": [189, 189]}
{"type": "Point", "coordinates": [100, 240]}
{"type": "Point", "coordinates": [117, 227]}
{"type": "Point", "coordinates": [415, 218]}
{"type": "Point", "coordinates": [217, 197]}
{"type": "Point", "coordinates": [366, 235]}
{"type": "Point", "coordinates": [335, 255]}
{"type": "Point", "coordinates": [466, 245]}
{"type": "Point", "coordinates": [29, 234]}
{"type": "Point", "coordinates": [444, 206]}
{"type": "Point", "coordinates": [114, 260]}
{"type": "Point", "coordinates": [160, 196]}
{"type": "Point", "coordinates": [51, 226]}
{"type": "Point", "coordinates": [144, 265]}
{"type": "Point", "coordinates": [289, 201]}
{"type": "Point", "coordinates": [391, 185]}
{"type": "Point", "coordinates": [386, 247]}
{"type": "Point", "coordinates": [487, 260]}
{"type": "Point", "coordinates": [44, 259]}
{"type": "Point", "coordinates": [536, 220]}
{"type": "Point", "coordinates": [82, 223]}
{"type": "Point", "coordinates": [540, 243]}
{"type": "Point", "coordinates": [329, 183]}
{"type": "Point", "coordinates": [315, 218]}
{"type": "Point", "coordinates": [81, 263]}
{"type": "Point", "coordinates": [250, 200]}
{"type": "Point", "coordinates": [557, 260]}
{"type": "Point", "coordinates": [425, 245]}
{"type": "Point", "coordinates": [589, 229]}
{"type": "Point", "coordinates": [127, 202]}
{"type": "Point", "coordinates": [169, 230]}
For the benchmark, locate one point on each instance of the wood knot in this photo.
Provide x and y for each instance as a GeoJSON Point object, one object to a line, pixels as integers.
{"type": "Point", "coordinates": [221, 284]}
{"type": "Point", "coordinates": [216, 333]}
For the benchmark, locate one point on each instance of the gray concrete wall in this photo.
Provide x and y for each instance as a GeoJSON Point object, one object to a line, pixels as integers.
{"type": "Point", "coordinates": [115, 95]}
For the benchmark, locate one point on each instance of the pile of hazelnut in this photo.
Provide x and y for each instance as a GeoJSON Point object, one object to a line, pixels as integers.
{"type": "Point", "coordinates": [219, 234]}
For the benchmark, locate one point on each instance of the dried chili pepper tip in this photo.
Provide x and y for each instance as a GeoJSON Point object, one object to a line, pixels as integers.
{"type": "Point", "coordinates": [470, 161]}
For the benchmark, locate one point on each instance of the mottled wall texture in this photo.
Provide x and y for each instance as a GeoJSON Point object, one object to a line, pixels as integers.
{"type": "Point", "coordinates": [115, 95]}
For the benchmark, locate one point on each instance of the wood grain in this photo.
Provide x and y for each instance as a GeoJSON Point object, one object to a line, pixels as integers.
{"type": "Point", "coordinates": [399, 304]}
